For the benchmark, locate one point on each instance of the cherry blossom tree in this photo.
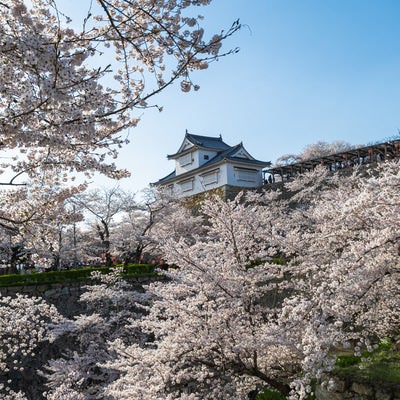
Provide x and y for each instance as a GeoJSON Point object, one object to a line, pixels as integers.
{"type": "Point", "coordinates": [173, 217]}
{"type": "Point", "coordinates": [321, 149]}
{"type": "Point", "coordinates": [80, 373]}
{"type": "Point", "coordinates": [349, 255]}
{"type": "Point", "coordinates": [287, 159]}
{"type": "Point", "coordinates": [24, 324]}
{"type": "Point", "coordinates": [64, 110]}
{"type": "Point", "coordinates": [144, 224]}
{"type": "Point", "coordinates": [231, 318]}
{"type": "Point", "coordinates": [163, 214]}
{"type": "Point", "coordinates": [11, 251]}
{"type": "Point", "coordinates": [63, 252]}
{"type": "Point", "coordinates": [103, 207]}
{"type": "Point", "coordinates": [38, 218]}
{"type": "Point", "coordinates": [216, 332]}
{"type": "Point", "coordinates": [315, 150]}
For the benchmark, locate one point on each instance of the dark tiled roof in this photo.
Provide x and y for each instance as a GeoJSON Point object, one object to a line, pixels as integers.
{"type": "Point", "coordinates": [167, 178]}
{"type": "Point", "coordinates": [215, 143]}
{"type": "Point", "coordinates": [205, 142]}
{"type": "Point", "coordinates": [228, 155]}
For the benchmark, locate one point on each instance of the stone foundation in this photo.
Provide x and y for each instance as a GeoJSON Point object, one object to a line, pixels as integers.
{"type": "Point", "coordinates": [346, 390]}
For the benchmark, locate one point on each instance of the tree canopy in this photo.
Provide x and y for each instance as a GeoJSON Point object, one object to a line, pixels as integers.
{"type": "Point", "coordinates": [72, 88]}
{"type": "Point", "coordinates": [267, 292]}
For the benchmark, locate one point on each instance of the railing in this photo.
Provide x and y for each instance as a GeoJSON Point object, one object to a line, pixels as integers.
{"type": "Point", "coordinates": [336, 162]}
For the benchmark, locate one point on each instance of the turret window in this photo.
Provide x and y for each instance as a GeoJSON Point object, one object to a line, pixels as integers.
{"type": "Point", "coordinates": [246, 175]}
{"type": "Point", "coordinates": [185, 160]}
{"type": "Point", "coordinates": [187, 185]}
{"type": "Point", "coordinates": [210, 178]}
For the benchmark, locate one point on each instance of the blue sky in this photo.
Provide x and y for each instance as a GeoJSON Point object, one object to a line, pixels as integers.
{"type": "Point", "coordinates": [307, 71]}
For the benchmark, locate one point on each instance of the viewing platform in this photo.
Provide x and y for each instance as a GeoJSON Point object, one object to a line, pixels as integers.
{"type": "Point", "coordinates": [358, 156]}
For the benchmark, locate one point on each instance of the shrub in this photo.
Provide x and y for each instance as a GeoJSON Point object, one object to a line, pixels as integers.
{"type": "Point", "coordinates": [269, 394]}
{"type": "Point", "coordinates": [381, 365]}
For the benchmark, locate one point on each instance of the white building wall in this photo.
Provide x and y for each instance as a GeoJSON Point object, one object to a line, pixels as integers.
{"type": "Point", "coordinates": [193, 160]}
{"type": "Point", "coordinates": [186, 163]}
{"type": "Point", "coordinates": [242, 176]}
{"type": "Point", "coordinates": [227, 174]}
{"type": "Point", "coordinates": [206, 180]}
{"type": "Point", "coordinates": [224, 174]}
{"type": "Point", "coordinates": [204, 156]}
{"type": "Point", "coordinates": [230, 175]}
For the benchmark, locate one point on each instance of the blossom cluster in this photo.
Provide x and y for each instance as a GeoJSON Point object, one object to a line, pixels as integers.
{"type": "Point", "coordinates": [231, 313]}
{"type": "Point", "coordinates": [70, 91]}
{"type": "Point", "coordinates": [261, 290]}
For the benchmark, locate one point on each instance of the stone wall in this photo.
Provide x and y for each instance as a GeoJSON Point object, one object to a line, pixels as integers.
{"type": "Point", "coordinates": [344, 389]}
{"type": "Point", "coordinates": [65, 296]}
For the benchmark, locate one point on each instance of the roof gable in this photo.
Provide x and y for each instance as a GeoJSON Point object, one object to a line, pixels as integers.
{"type": "Point", "coordinates": [236, 154]}
{"type": "Point", "coordinates": [186, 144]}
{"type": "Point", "coordinates": [198, 141]}
{"type": "Point", "coordinates": [241, 152]}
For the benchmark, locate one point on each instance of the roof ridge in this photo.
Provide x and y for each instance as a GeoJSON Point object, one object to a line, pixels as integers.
{"type": "Point", "coordinates": [204, 136]}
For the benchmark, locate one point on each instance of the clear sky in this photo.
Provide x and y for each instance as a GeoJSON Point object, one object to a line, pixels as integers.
{"type": "Point", "coordinates": [307, 71]}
